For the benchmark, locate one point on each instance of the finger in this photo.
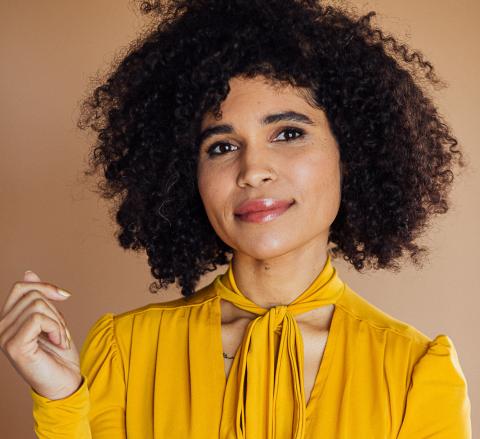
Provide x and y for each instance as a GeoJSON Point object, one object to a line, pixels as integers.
{"type": "Point", "coordinates": [23, 303]}
{"type": "Point", "coordinates": [46, 345]}
{"type": "Point", "coordinates": [31, 276]}
{"type": "Point", "coordinates": [31, 303]}
{"type": "Point", "coordinates": [25, 340]}
{"type": "Point", "coordinates": [19, 289]}
{"type": "Point", "coordinates": [38, 306]}
{"type": "Point", "coordinates": [67, 357]}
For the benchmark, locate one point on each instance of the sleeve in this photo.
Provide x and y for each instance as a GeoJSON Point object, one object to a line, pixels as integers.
{"type": "Point", "coordinates": [96, 410]}
{"type": "Point", "coordinates": [437, 403]}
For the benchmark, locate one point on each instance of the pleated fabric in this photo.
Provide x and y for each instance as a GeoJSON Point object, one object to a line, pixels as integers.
{"type": "Point", "coordinates": [265, 396]}
{"type": "Point", "coordinates": [157, 372]}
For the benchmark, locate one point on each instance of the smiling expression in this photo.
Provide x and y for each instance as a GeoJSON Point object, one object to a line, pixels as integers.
{"type": "Point", "coordinates": [270, 143]}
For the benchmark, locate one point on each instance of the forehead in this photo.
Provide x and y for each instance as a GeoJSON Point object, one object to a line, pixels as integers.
{"type": "Point", "coordinates": [260, 94]}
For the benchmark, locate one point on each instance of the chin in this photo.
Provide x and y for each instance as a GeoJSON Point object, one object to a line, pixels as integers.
{"type": "Point", "coordinates": [265, 250]}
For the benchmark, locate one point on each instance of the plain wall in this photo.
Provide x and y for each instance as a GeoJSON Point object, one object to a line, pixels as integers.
{"type": "Point", "coordinates": [52, 223]}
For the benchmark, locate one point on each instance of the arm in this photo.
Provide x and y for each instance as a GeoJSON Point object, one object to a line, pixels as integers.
{"type": "Point", "coordinates": [437, 404]}
{"type": "Point", "coordinates": [96, 410]}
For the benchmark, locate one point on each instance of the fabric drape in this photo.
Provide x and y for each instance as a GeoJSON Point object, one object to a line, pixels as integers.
{"type": "Point", "coordinates": [157, 372]}
{"type": "Point", "coordinates": [265, 394]}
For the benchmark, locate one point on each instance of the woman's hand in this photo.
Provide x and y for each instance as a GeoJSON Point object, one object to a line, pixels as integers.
{"type": "Point", "coordinates": [35, 338]}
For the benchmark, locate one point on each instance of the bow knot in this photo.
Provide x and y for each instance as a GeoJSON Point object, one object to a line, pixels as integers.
{"type": "Point", "coordinates": [264, 395]}
{"type": "Point", "coordinates": [278, 312]}
{"type": "Point", "coordinates": [277, 315]}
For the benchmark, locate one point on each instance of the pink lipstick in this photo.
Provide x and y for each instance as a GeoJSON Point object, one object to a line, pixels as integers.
{"type": "Point", "coordinates": [262, 210]}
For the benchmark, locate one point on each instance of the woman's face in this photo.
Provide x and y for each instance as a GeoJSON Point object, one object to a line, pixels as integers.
{"type": "Point", "coordinates": [245, 158]}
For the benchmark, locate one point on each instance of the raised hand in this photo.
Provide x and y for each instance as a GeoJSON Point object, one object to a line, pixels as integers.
{"type": "Point", "coordinates": [35, 338]}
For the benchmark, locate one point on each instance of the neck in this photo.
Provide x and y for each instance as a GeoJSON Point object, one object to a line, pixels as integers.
{"type": "Point", "coordinates": [279, 280]}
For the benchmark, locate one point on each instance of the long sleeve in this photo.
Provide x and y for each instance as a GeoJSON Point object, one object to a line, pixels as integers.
{"type": "Point", "coordinates": [437, 405]}
{"type": "Point", "coordinates": [97, 409]}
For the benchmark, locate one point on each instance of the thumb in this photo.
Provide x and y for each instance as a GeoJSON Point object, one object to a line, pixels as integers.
{"type": "Point", "coordinates": [30, 276]}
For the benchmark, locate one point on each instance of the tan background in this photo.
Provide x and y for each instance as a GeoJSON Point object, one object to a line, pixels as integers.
{"type": "Point", "coordinates": [51, 223]}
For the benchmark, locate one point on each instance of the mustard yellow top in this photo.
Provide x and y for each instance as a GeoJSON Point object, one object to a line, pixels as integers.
{"type": "Point", "coordinates": [158, 372]}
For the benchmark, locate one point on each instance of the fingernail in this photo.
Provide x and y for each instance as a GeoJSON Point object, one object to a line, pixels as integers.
{"type": "Point", "coordinates": [28, 271]}
{"type": "Point", "coordinates": [64, 292]}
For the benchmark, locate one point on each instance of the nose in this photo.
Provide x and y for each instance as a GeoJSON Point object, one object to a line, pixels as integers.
{"type": "Point", "coordinates": [256, 166]}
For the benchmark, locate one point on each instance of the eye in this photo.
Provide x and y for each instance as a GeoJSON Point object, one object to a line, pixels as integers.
{"type": "Point", "coordinates": [214, 146]}
{"type": "Point", "coordinates": [210, 150]}
{"type": "Point", "coordinates": [290, 130]}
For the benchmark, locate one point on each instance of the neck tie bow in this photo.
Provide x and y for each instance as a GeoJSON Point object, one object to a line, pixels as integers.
{"type": "Point", "coordinates": [264, 396]}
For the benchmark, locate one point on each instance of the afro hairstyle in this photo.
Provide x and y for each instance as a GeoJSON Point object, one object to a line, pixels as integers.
{"type": "Point", "coordinates": [397, 153]}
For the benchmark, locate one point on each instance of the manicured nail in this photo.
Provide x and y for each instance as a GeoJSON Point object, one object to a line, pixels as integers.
{"type": "Point", "coordinates": [64, 292]}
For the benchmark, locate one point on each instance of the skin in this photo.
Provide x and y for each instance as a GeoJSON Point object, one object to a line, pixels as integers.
{"type": "Point", "coordinates": [274, 262]}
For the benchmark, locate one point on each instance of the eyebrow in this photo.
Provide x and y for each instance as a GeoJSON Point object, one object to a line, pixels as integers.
{"type": "Point", "coordinates": [269, 119]}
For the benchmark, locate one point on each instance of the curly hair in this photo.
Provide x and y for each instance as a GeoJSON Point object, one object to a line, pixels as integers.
{"type": "Point", "coordinates": [397, 153]}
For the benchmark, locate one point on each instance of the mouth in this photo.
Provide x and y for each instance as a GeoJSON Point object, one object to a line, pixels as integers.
{"type": "Point", "coordinates": [263, 216]}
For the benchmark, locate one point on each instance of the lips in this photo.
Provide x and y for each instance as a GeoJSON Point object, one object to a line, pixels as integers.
{"type": "Point", "coordinates": [262, 205]}
{"type": "Point", "coordinates": [262, 210]}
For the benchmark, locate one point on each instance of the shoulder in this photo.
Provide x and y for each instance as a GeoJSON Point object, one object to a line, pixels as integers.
{"type": "Point", "coordinates": [203, 296]}
{"type": "Point", "coordinates": [121, 325]}
{"type": "Point", "coordinates": [429, 364]}
{"type": "Point", "coordinates": [116, 332]}
{"type": "Point", "coordinates": [400, 344]}
{"type": "Point", "coordinates": [398, 341]}
{"type": "Point", "coordinates": [359, 309]}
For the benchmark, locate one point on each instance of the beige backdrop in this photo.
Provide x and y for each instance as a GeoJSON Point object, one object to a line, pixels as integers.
{"type": "Point", "coordinates": [51, 223]}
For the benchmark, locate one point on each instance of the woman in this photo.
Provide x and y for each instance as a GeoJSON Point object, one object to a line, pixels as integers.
{"type": "Point", "coordinates": [282, 134]}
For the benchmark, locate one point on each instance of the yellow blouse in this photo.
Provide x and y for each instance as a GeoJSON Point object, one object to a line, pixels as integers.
{"type": "Point", "coordinates": [158, 372]}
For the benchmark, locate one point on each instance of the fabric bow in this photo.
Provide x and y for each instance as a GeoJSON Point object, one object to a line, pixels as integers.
{"type": "Point", "coordinates": [264, 395]}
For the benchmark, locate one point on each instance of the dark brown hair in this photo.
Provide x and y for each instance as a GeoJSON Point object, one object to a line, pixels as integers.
{"type": "Point", "coordinates": [397, 152]}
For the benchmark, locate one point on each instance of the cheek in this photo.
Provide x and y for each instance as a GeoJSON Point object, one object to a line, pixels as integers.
{"type": "Point", "coordinates": [212, 192]}
{"type": "Point", "coordinates": [206, 191]}
{"type": "Point", "coordinates": [317, 182]}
